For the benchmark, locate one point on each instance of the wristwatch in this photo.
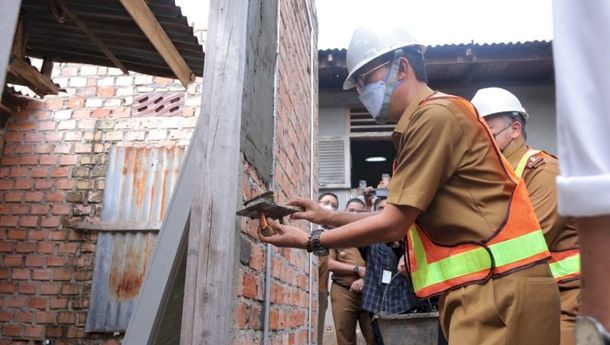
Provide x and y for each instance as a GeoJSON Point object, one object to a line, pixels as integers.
{"type": "Point", "coordinates": [313, 244]}
{"type": "Point", "coordinates": [589, 331]}
{"type": "Point", "coordinates": [356, 270]}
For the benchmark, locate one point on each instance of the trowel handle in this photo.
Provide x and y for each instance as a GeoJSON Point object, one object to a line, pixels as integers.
{"type": "Point", "coordinates": [264, 227]}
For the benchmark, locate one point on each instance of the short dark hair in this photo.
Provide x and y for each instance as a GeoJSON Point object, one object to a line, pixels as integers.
{"type": "Point", "coordinates": [378, 201]}
{"type": "Point", "coordinates": [328, 193]}
{"type": "Point", "coordinates": [356, 200]}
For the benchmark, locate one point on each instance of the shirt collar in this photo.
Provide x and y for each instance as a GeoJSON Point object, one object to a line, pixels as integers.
{"type": "Point", "coordinates": [514, 152]}
{"type": "Point", "coordinates": [422, 94]}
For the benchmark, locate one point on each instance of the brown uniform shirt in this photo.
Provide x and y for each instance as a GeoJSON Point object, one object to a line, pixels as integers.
{"type": "Point", "coordinates": [561, 233]}
{"type": "Point", "coordinates": [447, 168]}
{"type": "Point", "coordinates": [349, 256]}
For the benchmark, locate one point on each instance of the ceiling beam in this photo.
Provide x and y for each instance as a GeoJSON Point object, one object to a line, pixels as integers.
{"type": "Point", "coordinates": [31, 77]}
{"type": "Point", "coordinates": [144, 17]}
{"type": "Point", "coordinates": [80, 24]}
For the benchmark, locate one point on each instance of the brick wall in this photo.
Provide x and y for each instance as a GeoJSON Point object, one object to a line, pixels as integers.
{"type": "Point", "coordinates": [52, 171]}
{"type": "Point", "coordinates": [289, 290]}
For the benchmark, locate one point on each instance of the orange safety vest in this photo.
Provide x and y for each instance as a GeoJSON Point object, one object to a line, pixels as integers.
{"type": "Point", "coordinates": [565, 264]}
{"type": "Point", "coordinates": [519, 243]}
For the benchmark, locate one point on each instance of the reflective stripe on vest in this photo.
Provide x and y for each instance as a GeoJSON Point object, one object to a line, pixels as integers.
{"type": "Point", "coordinates": [518, 244]}
{"type": "Point", "coordinates": [565, 265]}
{"type": "Point", "coordinates": [474, 260]}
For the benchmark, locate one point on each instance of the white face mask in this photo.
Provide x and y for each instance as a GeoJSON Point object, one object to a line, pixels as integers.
{"type": "Point", "coordinates": [372, 98]}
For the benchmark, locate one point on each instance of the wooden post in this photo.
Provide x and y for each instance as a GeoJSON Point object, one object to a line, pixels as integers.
{"type": "Point", "coordinates": [209, 287]}
{"type": "Point", "coordinates": [10, 14]}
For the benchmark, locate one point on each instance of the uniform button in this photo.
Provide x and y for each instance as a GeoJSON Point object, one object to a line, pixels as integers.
{"type": "Point", "coordinates": [342, 254]}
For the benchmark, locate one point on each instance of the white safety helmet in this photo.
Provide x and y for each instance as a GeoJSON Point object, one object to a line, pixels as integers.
{"type": "Point", "coordinates": [495, 100]}
{"type": "Point", "coordinates": [372, 41]}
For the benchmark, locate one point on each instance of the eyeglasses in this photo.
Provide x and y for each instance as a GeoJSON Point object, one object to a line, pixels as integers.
{"type": "Point", "coordinates": [361, 79]}
{"type": "Point", "coordinates": [505, 128]}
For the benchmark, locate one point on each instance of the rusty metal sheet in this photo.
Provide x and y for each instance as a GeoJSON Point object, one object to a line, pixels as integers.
{"type": "Point", "coordinates": [139, 183]}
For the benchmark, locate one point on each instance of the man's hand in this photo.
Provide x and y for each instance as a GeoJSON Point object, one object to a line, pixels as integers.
{"type": "Point", "coordinates": [361, 271]}
{"type": "Point", "coordinates": [285, 236]}
{"type": "Point", "coordinates": [357, 286]}
{"type": "Point", "coordinates": [402, 268]}
{"type": "Point", "coordinates": [313, 212]}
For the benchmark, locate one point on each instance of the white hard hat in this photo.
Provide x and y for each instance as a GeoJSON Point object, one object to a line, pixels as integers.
{"type": "Point", "coordinates": [495, 100]}
{"type": "Point", "coordinates": [372, 41]}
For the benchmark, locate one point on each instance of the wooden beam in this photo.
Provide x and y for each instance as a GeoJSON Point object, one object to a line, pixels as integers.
{"type": "Point", "coordinates": [47, 67]}
{"type": "Point", "coordinates": [33, 79]}
{"type": "Point", "coordinates": [146, 20]}
{"type": "Point", "coordinates": [92, 37]}
{"type": "Point", "coordinates": [10, 15]}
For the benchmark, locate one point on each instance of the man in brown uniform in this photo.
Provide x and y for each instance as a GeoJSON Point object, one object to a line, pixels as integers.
{"type": "Point", "coordinates": [507, 121]}
{"type": "Point", "coordinates": [452, 182]}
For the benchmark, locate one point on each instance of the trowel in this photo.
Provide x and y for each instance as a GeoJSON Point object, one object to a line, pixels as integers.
{"type": "Point", "coordinates": [263, 206]}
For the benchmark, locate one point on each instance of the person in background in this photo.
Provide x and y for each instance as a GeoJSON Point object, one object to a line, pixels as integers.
{"type": "Point", "coordinates": [383, 291]}
{"type": "Point", "coordinates": [507, 120]}
{"type": "Point", "coordinates": [349, 271]}
{"type": "Point", "coordinates": [328, 201]}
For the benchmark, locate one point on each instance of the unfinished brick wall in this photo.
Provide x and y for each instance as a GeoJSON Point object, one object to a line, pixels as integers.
{"type": "Point", "coordinates": [52, 171]}
{"type": "Point", "coordinates": [289, 290]}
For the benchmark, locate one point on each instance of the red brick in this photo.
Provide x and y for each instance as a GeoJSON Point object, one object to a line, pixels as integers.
{"type": "Point", "coordinates": [45, 247]}
{"type": "Point", "coordinates": [48, 159]}
{"type": "Point", "coordinates": [37, 302]}
{"type": "Point", "coordinates": [75, 332]}
{"type": "Point", "coordinates": [43, 184]}
{"type": "Point", "coordinates": [86, 91]}
{"type": "Point", "coordinates": [40, 209]}
{"type": "Point", "coordinates": [63, 148]}
{"type": "Point", "coordinates": [18, 209]}
{"type": "Point", "coordinates": [34, 261]}
{"type": "Point", "coordinates": [16, 234]}
{"type": "Point", "coordinates": [70, 289]}
{"type": "Point", "coordinates": [42, 274]}
{"type": "Point", "coordinates": [8, 220]}
{"type": "Point", "coordinates": [18, 302]}
{"type": "Point", "coordinates": [24, 184]}
{"type": "Point", "coordinates": [49, 288]}
{"type": "Point", "coordinates": [43, 148]}
{"type": "Point", "coordinates": [13, 260]}
{"type": "Point", "coordinates": [24, 148]}
{"type": "Point", "coordinates": [13, 137]}
{"type": "Point", "coordinates": [54, 103]}
{"type": "Point", "coordinates": [56, 196]}
{"type": "Point", "coordinates": [41, 114]}
{"type": "Point", "coordinates": [50, 222]}
{"type": "Point", "coordinates": [11, 330]}
{"type": "Point", "coordinates": [20, 274]}
{"type": "Point", "coordinates": [73, 136]}
{"type": "Point", "coordinates": [67, 248]}
{"type": "Point", "coordinates": [7, 316]}
{"type": "Point", "coordinates": [33, 137]}
{"type": "Point", "coordinates": [56, 261]}
{"type": "Point", "coordinates": [62, 275]}
{"type": "Point", "coordinates": [6, 184]}
{"type": "Point", "coordinates": [57, 235]}
{"type": "Point", "coordinates": [60, 172]}
{"type": "Point", "coordinates": [250, 285]}
{"type": "Point", "coordinates": [19, 172]}
{"type": "Point", "coordinates": [7, 288]}
{"type": "Point", "coordinates": [33, 331]}
{"type": "Point", "coordinates": [58, 302]}
{"type": "Point", "coordinates": [46, 317]}
{"type": "Point", "coordinates": [60, 209]}
{"type": "Point", "coordinates": [105, 91]}
{"type": "Point", "coordinates": [24, 317]}
{"type": "Point", "coordinates": [101, 112]}
{"type": "Point", "coordinates": [13, 196]}
{"type": "Point", "coordinates": [46, 126]}
{"type": "Point", "coordinates": [27, 288]}
{"type": "Point", "coordinates": [7, 247]}
{"type": "Point", "coordinates": [54, 136]}
{"type": "Point", "coordinates": [37, 235]}
{"type": "Point", "coordinates": [81, 113]}
{"type": "Point", "coordinates": [29, 221]}
{"type": "Point", "coordinates": [40, 172]}
{"type": "Point", "coordinates": [25, 247]}
{"type": "Point", "coordinates": [54, 332]}
{"type": "Point", "coordinates": [65, 184]}
{"type": "Point", "coordinates": [33, 196]}
{"type": "Point", "coordinates": [83, 276]}
{"type": "Point", "coordinates": [28, 160]}
{"type": "Point", "coordinates": [75, 102]}
{"type": "Point", "coordinates": [10, 160]}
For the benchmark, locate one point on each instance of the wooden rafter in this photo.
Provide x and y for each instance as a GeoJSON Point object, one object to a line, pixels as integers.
{"type": "Point", "coordinates": [144, 17]}
{"type": "Point", "coordinates": [82, 26]}
{"type": "Point", "coordinates": [31, 77]}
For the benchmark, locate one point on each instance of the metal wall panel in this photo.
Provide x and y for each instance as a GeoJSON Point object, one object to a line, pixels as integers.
{"type": "Point", "coordinates": [139, 183]}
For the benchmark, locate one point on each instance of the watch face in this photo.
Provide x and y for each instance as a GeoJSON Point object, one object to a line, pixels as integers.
{"type": "Point", "coordinates": [587, 334]}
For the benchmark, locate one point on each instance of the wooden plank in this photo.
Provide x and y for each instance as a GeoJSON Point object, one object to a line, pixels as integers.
{"type": "Point", "coordinates": [144, 17]}
{"type": "Point", "coordinates": [92, 37]}
{"type": "Point", "coordinates": [35, 80]}
{"type": "Point", "coordinates": [117, 226]}
{"type": "Point", "coordinates": [10, 15]}
{"type": "Point", "coordinates": [210, 287]}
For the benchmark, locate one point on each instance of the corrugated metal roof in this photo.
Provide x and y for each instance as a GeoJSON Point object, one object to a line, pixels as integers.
{"type": "Point", "coordinates": [139, 183]}
{"type": "Point", "coordinates": [458, 64]}
{"type": "Point", "coordinates": [111, 23]}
